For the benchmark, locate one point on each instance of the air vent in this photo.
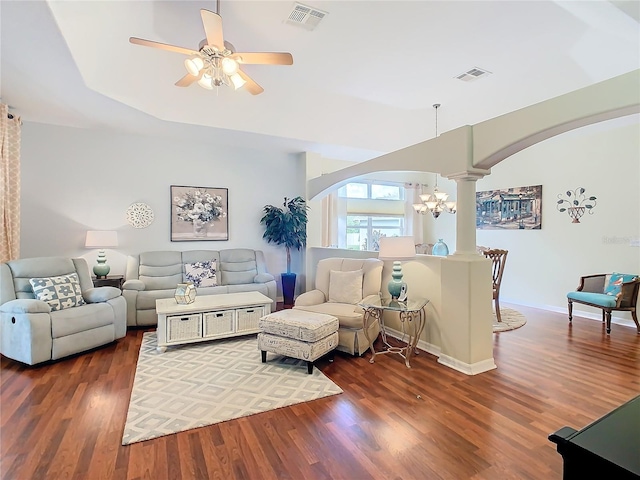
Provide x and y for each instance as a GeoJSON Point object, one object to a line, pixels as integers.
{"type": "Point", "coordinates": [305, 16]}
{"type": "Point", "coordinates": [474, 74]}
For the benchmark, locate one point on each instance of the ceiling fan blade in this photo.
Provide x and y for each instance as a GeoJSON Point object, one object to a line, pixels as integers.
{"type": "Point", "coordinates": [252, 87]}
{"type": "Point", "coordinates": [188, 79]}
{"type": "Point", "coordinates": [265, 58]}
{"type": "Point", "coordinates": [163, 46]}
{"type": "Point", "coordinates": [212, 23]}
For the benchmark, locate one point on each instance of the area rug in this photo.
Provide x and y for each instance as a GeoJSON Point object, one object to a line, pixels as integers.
{"type": "Point", "coordinates": [200, 384]}
{"type": "Point", "coordinates": [511, 319]}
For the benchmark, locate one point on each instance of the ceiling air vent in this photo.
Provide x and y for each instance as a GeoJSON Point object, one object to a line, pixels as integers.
{"type": "Point", "coordinates": [474, 74]}
{"type": "Point", "coordinates": [305, 16]}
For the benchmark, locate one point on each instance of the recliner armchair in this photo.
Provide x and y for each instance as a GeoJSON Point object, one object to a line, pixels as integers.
{"type": "Point", "coordinates": [31, 332]}
{"type": "Point", "coordinates": [338, 294]}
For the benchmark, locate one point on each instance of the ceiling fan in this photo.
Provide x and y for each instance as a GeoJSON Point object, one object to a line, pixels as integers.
{"type": "Point", "coordinates": [216, 62]}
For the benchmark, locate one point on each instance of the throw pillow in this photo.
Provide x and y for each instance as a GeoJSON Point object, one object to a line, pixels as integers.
{"type": "Point", "coordinates": [345, 287]}
{"type": "Point", "coordinates": [614, 287]}
{"type": "Point", "coordinates": [59, 292]}
{"type": "Point", "coordinates": [201, 274]}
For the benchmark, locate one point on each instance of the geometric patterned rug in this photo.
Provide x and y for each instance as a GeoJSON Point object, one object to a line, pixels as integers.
{"type": "Point", "coordinates": [199, 384]}
{"type": "Point", "coordinates": [511, 319]}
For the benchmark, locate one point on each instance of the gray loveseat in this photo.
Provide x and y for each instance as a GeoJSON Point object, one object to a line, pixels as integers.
{"type": "Point", "coordinates": [32, 332]}
{"type": "Point", "coordinates": [153, 275]}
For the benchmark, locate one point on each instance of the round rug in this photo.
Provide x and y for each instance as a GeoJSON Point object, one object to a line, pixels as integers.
{"type": "Point", "coordinates": [511, 319]}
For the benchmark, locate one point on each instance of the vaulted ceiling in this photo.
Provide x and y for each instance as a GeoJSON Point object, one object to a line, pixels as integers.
{"type": "Point", "coordinates": [363, 82]}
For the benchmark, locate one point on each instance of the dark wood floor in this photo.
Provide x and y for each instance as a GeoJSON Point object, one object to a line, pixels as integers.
{"type": "Point", "coordinates": [65, 420]}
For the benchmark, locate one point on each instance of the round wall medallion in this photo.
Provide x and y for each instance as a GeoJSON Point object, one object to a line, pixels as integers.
{"type": "Point", "coordinates": [139, 215]}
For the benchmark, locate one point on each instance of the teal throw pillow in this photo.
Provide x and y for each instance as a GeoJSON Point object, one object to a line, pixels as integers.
{"type": "Point", "coordinates": [614, 286]}
{"type": "Point", "coordinates": [59, 292]}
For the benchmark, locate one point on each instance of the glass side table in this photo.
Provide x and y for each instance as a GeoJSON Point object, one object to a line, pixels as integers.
{"type": "Point", "coordinates": [412, 318]}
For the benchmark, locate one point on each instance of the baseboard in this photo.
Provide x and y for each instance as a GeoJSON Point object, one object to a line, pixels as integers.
{"type": "Point", "coordinates": [467, 368]}
{"type": "Point", "coordinates": [447, 361]}
{"type": "Point", "coordinates": [595, 315]}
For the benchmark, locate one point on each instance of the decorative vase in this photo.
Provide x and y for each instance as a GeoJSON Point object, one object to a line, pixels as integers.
{"type": "Point", "coordinates": [185, 293]}
{"type": "Point", "coordinates": [576, 213]}
{"type": "Point", "coordinates": [288, 287]}
{"type": "Point", "coordinates": [440, 249]}
{"type": "Point", "coordinates": [200, 228]}
{"type": "Point", "coordinates": [101, 269]}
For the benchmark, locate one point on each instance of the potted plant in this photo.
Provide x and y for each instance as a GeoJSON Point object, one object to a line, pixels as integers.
{"type": "Point", "coordinates": [287, 226]}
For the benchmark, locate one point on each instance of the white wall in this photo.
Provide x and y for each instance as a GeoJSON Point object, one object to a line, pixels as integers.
{"type": "Point", "coordinates": [543, 265]}
{"type": "Point", "coordinates": [74, 180]}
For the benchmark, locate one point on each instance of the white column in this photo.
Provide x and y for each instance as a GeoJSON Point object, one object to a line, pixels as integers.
{"type": "Point", "coordinates": [466, 212]}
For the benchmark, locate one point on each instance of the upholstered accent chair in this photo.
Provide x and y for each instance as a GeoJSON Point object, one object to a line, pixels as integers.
{"type": "Point", "coordinates": [616, 291]}
{"type": "Point", "coordinates": [340, 284]}
{"type": "Point", "coordinates": [49, 309]}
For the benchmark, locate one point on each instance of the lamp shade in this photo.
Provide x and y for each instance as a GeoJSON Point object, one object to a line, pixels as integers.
{"type": "Point", "coordinates": [101, 239]}
{"type": "Point", "coordinates": [397, 248]}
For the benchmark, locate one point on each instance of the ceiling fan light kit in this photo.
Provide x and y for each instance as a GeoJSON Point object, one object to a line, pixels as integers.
{"type": "Point", "coordinates": [216, 63]}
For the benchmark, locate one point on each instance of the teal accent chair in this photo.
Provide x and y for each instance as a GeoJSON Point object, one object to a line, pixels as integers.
{"type": "Point", "coordinates": [609, 292]}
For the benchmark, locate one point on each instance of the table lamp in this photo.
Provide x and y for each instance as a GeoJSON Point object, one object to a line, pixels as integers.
{"type": "Point", "coordinates": [397, 249]}
{"type": "Point", "coordinates": [101, 239]}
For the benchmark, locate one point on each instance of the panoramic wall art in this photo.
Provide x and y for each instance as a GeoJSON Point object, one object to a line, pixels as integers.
{"type": "Point", "coordinates": [199, 213]}
{"type": "Point", "coordinates": [518, 208]}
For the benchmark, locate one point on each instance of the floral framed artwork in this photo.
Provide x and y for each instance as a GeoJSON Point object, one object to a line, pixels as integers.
{"type": "Point", "coordinates": [199, 213]}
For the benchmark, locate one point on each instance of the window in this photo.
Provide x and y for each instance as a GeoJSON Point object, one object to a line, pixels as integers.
{"type": "Point", "coordinates": [373, 210]}
{"type": "Point", "coordinates": [364, 232]}
{"type": "Point", "coordinates": [373, 191]}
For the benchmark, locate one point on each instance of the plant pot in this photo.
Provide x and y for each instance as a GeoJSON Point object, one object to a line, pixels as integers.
{"type": "Point", "coordinates": [288, 287]}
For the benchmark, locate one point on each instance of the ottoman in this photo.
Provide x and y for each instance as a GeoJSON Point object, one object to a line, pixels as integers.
{"type": "Point", "coordinates": [298, 334]}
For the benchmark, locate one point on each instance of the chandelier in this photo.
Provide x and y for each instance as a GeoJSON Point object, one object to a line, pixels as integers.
{"type": "Point", "coordinates": [435, 203]}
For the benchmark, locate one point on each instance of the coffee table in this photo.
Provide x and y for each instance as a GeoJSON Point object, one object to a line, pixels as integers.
{"type": "Point", "coordinates": [209, 317]}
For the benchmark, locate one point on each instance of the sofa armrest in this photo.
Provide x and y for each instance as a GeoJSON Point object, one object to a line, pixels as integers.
{"type": "Point", "coordinates": [133, 285]}
{"type": "Point", "coordinates": [312, 297]}
{"type": "Point", "coordinates": [263, 278]}
{"type": "Point", "coordinates": [25, 305]}
{"type": "Point", "coordinates": [100, 294]}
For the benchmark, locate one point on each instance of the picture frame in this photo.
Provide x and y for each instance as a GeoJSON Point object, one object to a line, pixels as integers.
{"type": "Point", "coordinates": [517, 208]}
{"type": "Point", "coordinates": [199, 213]}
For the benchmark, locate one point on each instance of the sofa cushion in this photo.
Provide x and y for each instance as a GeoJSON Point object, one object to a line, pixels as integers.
{"type": "Point", "coordinates": [201, 274]}
{"type": "Point", "coordinates": [80, 319]}
{"type": "Point", "coordinates": [345, 287]}
{"type": "Point", "coordinates": [146, 300]}
{"type": "Point", "coordinates": [614, 286]}
{"type": "Point", "coordinates": [601, 299]}
{"type": "Point", "coordinates": [59, 292]}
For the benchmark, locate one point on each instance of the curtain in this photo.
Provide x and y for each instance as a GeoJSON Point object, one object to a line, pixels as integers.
{"type": "Point", "coordinates": [334, 221]}
{"type": "Point", "coordinates": [9, 185]}
{"type": "Point", "coordinates": [413, 222]}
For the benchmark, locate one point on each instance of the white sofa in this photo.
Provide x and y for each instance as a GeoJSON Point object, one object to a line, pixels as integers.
{"type": "Point", "coordinates": [153, 275]}
{"type": "Point", "coordinates": [31, 332]}
{"type": "Point", "coordinates": [350, 316]}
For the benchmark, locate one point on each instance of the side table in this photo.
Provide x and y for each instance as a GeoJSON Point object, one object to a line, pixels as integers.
{"type": "Point", "coordinates": [110, 281]}
{"type": "Point", "coordinates": [412, 317]}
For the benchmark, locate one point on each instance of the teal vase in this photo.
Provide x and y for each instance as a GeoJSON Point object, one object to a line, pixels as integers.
{"type": "Point", "coordinates": [440, 249]}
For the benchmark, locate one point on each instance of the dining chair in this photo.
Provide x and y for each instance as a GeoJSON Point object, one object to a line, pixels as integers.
{"type": "Point", "coordinates": [498, 259]}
